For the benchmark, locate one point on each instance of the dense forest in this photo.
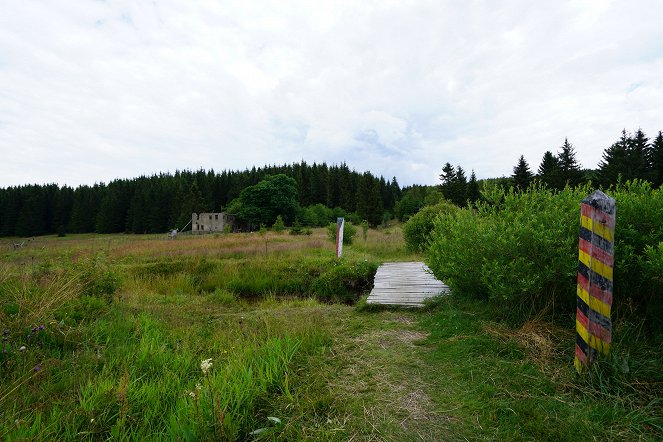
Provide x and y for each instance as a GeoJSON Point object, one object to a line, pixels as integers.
{"type": "Point", "coordinates": [157, 203]}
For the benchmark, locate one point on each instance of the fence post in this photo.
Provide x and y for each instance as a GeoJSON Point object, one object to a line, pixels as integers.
{"type": "Point", "coordinates": [340, 222]}
{"type": "Point", "coordinates": [595, 278]}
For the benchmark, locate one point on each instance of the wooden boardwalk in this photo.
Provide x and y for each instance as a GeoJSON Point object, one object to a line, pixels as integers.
{"type": "Point", "coordinates": [405, 283]}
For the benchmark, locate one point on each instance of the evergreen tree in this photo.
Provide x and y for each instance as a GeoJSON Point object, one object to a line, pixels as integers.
{"type": "Point", "coordinates": [448, 178]}
{"type": "Point", "coordinates": [522, 176]}
{"type": "Point", "coordinates": [473, 193]}
{"type": "Point", "coordinates": [369, 200]}
{"type": "Point", "coordinates": [638, 156]}
{"type": "Point", "coordinates": [448, 175]}
{"type": "Point", "coordinates": [614, 161]}
{"type": "Point", "coordinates": [31, 219]}
{"type": "Point", "coordinates": [459, 188]}
{"type": "Point", "coordinates": [656, 160]}
{"type": "Point", "coordinates": [570, 172]}
{"type": "Point", "coordinates": [549, 172]}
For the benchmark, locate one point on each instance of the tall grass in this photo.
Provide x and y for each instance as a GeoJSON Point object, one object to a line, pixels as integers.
{"type": "Point", "coordinates": [105, 335]}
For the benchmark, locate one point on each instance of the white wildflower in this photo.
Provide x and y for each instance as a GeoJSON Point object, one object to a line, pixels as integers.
{"type": "Point", "coordinates": [23, 348]}
{"type": "Point", "coordinates": [205, 365]}
{"type": "Point", "coordinates": [92, 420]}
{"type": "Point", "coordinates": [199, 387]}
{"type": "Point", "coordinates": [192, 394]}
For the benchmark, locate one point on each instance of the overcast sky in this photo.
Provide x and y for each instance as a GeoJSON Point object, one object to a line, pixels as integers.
{"type": "Point", "coordinates": [96, 90]}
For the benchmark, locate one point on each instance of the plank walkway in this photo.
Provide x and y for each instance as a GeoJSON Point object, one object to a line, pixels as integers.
{"type": "Point", "coordinates": [405, 283]}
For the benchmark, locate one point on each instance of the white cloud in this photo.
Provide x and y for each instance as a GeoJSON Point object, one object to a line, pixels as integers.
{"type": "Point", "coordinates": [98, 90]}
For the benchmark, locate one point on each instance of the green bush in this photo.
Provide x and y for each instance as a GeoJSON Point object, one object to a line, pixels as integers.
{"type": "Point", "coordinates": [416, 231]}
{"type": "Point", "coordinates": [521, 249]}
{"type": "Point", "coordinates": [318, 215]}
{"type": "Point", "coordinates": [279, 225]}
{"type": "Point", "coordinates": [345, 281]}
{"type": "Point", "coordinates": [349, 231]}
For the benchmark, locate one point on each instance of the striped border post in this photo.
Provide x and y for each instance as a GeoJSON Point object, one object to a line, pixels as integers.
{"type": "Point", "coordinates": [340, 222]}
{"type": "Point", "coordinates": [595, 273]}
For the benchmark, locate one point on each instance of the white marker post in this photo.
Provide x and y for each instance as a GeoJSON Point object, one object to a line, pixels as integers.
{"type": "Point", "coordinates": [339, 237]}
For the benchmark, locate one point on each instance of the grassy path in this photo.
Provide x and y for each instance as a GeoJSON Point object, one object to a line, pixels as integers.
{"type": "Point", "coordinates": [380, 380]}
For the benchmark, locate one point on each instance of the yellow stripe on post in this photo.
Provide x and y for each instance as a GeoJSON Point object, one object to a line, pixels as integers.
{"type": "Point", "coordinates": [595, 265]}
{"type": "Point", "coordinates": [599, 306]}
{"type": "Point", "coordinates": [603, 231]}
{"type": "Point", "coordinates": [582, 331]}
{"type": "Point", "coordinates": [582, 294]}
{"type": "Point", "coordinates": [598, 344]}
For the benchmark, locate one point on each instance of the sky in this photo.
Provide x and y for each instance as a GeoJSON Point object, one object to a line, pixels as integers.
{"type": "Point", "coordinates": [96, 90]}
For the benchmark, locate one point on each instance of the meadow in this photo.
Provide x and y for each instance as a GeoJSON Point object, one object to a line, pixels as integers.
{"type": "Point", "coordinates": [267, 337]}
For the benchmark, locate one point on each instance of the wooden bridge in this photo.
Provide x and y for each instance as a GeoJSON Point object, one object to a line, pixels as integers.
{"type": "Point", "coordinates": [405, 283]}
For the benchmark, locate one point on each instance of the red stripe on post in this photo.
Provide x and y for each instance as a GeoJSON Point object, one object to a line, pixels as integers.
{"type": "Point", "coordinates": [600, 332]}
{"type": "Point", "coordinates": [596, 252]}
{"type": "Point", "coordinates": [581, 355]}
{"type": "Point", "coordinates": [597, 215]}
{"type": "Point", "coordinates": [583, 282]}
{"type": "Point", "coordinates": [580, 316]}
{"type": "Point", "coordinates": [602, 295]}
{"type": "Point", "coordinates": [604, 218]}
{"type": "Point", "coordinates": [586, 210]}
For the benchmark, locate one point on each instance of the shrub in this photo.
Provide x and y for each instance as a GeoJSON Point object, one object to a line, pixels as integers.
{"type": "Point", "coordinates": [349, 231]}
{"type": "Point", "coordinates": [416, 231]}
{"type": "Point", "coordinates": [279, 225]}
{"type": "Point", "coordinates": [345, 281]}
{"type": "Point", "coordinates": [318, 215]}
{"type": "Point", "coordinates": [296, 228]}
{"type": "Point", "coordinates": [521, 249]}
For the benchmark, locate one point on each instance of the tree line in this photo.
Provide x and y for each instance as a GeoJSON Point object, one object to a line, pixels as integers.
{"type": "Point", "coordinates": [157, 203]}
{"type": "Point", "coordinates": [633, 156]}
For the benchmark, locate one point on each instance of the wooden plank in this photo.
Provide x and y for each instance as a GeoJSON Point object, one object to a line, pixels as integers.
{"type": "Point", "coordinates": [405, 283]}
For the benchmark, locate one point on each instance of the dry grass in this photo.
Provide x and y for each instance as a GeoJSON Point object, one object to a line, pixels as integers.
{"type": "Point", "coordinates": [539, 339]}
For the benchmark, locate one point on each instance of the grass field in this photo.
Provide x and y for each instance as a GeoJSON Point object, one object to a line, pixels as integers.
{"type": "Point", "coordinates": [248, 336]}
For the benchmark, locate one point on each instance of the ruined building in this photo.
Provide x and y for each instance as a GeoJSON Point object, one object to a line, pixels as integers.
{"type": "Point", "coordinates": [210, 222]}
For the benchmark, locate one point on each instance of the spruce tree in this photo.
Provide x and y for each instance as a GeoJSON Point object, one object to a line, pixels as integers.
{"type": "Point", "coordinates": [448, 178]}
{"type": "Point", "coordinates": [570, 172]}
{"type": "Point", "coordinates": [656, 160]}
{"type": "Point", "coordinates": [522, 176]}
{"type": "Point", "coordinates": [638, 156]}
{"type": "Point", "coordinates": [614, 161]}
{"type": "Point", "coordinates": [549, 172]}
{"type": "Point", "coordinates": [459, 188]}
{"type": "Point", "coordinates": [473, 193]}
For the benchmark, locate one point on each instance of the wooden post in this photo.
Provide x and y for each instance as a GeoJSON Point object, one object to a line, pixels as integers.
{"type": "Point", "coordinates": [340, 222]}
{"type": "Point", "coordinates": [595, 278]}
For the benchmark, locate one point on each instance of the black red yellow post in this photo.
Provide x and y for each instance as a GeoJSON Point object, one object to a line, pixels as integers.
{"type": "Point", "coordinates": [595, 278]}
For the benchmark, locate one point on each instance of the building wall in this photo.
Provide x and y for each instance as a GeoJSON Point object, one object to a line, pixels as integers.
{"type": "Point", "coordinates": [208, 222]}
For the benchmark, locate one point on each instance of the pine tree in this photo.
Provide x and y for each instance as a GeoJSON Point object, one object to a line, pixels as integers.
{"type": "Point", "coordinates": [473, 193]}
{"type": "Point", "coordinates": [638, 156]}
{"type": "Point", "coordinates": [459, 187]}
{"type": "Point", "coordinates": [522, 176]}
{"type": "Point", "coordinates": [448, 174]}
{"type": "Point", "coordinates": [448, 178]}
{"type": "Point", "coordinates": [570, 172]}
{"type": "Point", "coordinates": [549, 172]}
{"type": "Point", "coordinates": [613, 162]}
{"type": "Point", "coordinates": [656, 160]}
